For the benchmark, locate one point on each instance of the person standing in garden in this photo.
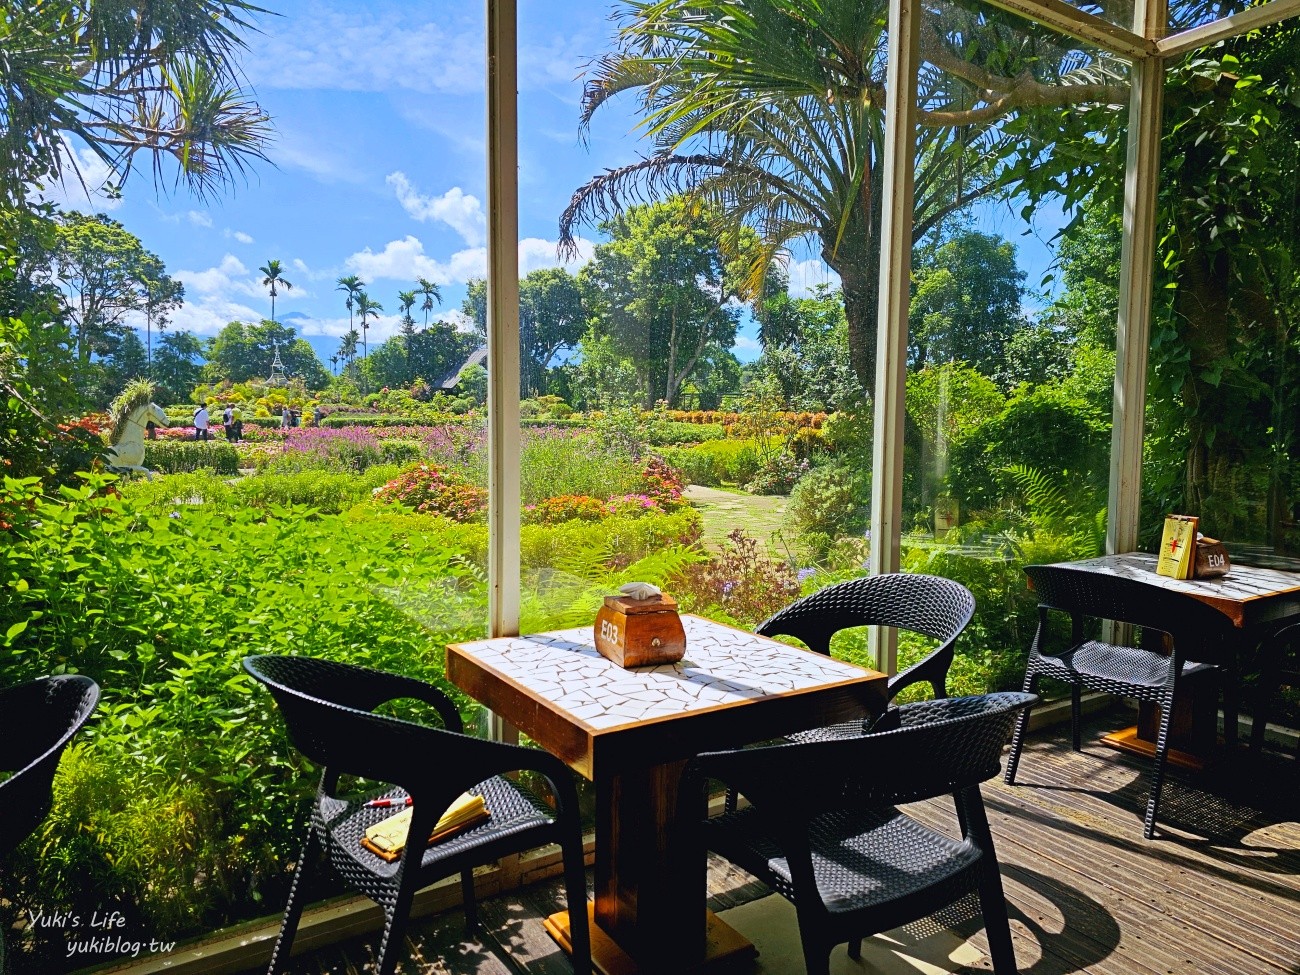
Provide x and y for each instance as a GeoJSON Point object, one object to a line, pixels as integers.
{"type": "Point", "coordinates": [286, 418]}
{"type": "Point", "coordinates": [237, 423]}
{"type": "Point", "coordinates": [228, 421]}
{"type": "Point", "coordinates": [201, 422]}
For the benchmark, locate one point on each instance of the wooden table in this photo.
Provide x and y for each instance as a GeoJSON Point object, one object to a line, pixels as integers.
{"type": "Point", "coordinates": [632, 732]}
{"type": "Point", "coordinates": [1257, 601]}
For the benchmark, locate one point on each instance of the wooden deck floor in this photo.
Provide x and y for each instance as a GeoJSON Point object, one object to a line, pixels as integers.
{"type": "Point", "coordinates": [1217, 892]}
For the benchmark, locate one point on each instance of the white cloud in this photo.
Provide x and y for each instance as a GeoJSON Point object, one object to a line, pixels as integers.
{"type": "Point", "coordinates": [209, 314]}
{"type": "Point", "coordinates": [230, 275]}
{"type": "Point", "coordinates": [199, 218]}
{"type": "Point", "coordinates": [239, 236]}
{"type": "Point", "coordinates": [332, 48]}
{"type": "Point", "coordinates": [296, 150]}
{"type": "Point", "coordinates": [804, 276]}
{"type": "Point", "coordinates": [87, 183]}
{"type": "Point", "coordinates": [746, 344]}
{"type": "Point", "coordinates": [230, 278]}
{"type": "Point", "coordinates": [405, 260]}
{"type": "Point", "coordinates": [456, 208]}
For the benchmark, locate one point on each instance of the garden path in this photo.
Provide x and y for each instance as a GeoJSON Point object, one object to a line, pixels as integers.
{"type": "Point", "coordinates": [722, 511]}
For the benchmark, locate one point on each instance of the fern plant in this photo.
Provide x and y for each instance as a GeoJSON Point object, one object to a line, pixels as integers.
{"type": "Point", "coordinates": [1050, 509]}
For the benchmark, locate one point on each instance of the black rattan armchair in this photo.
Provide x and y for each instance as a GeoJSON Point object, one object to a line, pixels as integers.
{"type": "Point", "coordinates": [930, 605]}
{"type": "Point", "coordinates": [327, 710]}
{"type": "Point", "coordinates": [37, 720]}
{"type": "Point", "coordinates": [1197, 631]}
{"type": "Point", "coordinates": [822, 828]}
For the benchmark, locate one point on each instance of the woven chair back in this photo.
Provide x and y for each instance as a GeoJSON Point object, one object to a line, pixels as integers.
{"type": "Point", "coordinates": [37, 720]}
{"type": "Point", "coordinates": [933, 606]}
{"type": "Point", "coordinates": [940, 747]}
{"type": "Point", "coordinates": [1194, 626]}
{"type": "Point", "coordinates": [326, 709]}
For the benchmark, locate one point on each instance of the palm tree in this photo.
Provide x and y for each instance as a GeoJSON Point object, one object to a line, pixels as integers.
{"type": "Point", "coordinates": [354, 286]}
{"type": "Point", "coordinates": [334, 364]}
{"type": "Point", "coordinates": [274, 278]}
{"type": "Point", "coordinates": [431, 294]}
{"type": "Point", "coordinates": [348, 347]}
{"type": "Point", "coordinates": [407, 300]}
{"type": "Point", "coordinates": [771, 114]}
{"type": "Point", "coordinates": [366, 309]}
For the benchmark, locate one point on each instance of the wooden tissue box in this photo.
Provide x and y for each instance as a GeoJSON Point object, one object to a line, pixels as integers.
{"type": "Point", "coordinates": [640, 632]}
{"type": "Point", "coordinates": [1211, 559]}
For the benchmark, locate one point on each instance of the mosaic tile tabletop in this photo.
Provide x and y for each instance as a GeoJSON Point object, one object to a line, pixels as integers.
{"type": "Point", "coordinates": [722, 666]}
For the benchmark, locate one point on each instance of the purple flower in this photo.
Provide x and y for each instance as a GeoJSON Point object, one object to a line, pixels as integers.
{"type": "Point", "coordinates": [806, 574]}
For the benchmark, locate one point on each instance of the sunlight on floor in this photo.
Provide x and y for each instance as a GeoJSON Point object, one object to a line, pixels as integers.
{"type": "Point", "coordinates": [771, 925]}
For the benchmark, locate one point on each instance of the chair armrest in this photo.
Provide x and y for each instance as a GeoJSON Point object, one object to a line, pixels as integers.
{"type": "Point", "coordinates": [349, 686]}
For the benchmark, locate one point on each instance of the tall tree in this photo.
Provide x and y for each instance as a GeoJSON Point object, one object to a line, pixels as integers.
{"type": "Point", "coordinates": [366, 309]}
{"type": "Point", "coordinates": [550, 320]}
{"type": "Point", "coordinates": [771, 111]}
{"type": "Point", "coordinates": [177, 365]}
{"type": "Point", "coordinates": [244, 351]}
{"type": "Point", "coordinates": [474, 305]}
{"type": "Point", "coordinates": [966, 299]}
{"type": "Point", "coordinates": [431, 294]}
{"type": "Point", "coordinates": [348, 347]}
{"type": "Point", "coordinates": [406, 300]}
{"type": "Point", "coordinates": [162, 297]}
{"type": "Point", "coordinates": [126, 79]}
{"type": "Point", "coordinates": [663, 292]}
{"type": "Point", "coordinates": [106, 276]}
{"type": "Point", "coordinates": [353, 287]}
{"type": "Point", "coordinates": [273, 279]}
{"type": "Point", "coordinates": [430, 353]}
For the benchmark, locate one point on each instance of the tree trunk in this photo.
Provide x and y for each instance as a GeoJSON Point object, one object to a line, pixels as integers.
{"type": "Point", "coordinates": [1203, 308]}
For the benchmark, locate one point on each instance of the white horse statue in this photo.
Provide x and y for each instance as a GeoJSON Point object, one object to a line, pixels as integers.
{"type": "Point", "coordinates": [131, 412]}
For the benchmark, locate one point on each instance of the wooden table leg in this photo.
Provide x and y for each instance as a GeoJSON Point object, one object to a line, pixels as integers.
{"type": "Point", "coordinates": [649, 912]}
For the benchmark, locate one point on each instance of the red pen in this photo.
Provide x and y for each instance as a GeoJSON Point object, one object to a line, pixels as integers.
{"type": "Point", "coordinates": [387, 803]}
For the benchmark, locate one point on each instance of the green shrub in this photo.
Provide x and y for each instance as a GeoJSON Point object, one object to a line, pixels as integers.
{"type": "Point", "coordinates": [328, 492]}
{"type": "Point", "coordinates": [625, 538]}
{"type": "Point", "coordinates": [696, 466]}
{"type": "Point", "coordinates": [716, 462]}
{"type": "Point", "coordinates": [400, 451]}
{"type": "Point", "coordinates": [180, 806]}
{"type": "Point", "coordinates": [1043, 429]}
{"type": "Point", "coordinates": [337, 420]}
{"type": "Point", "coordinates": [202, 487]}
{"type": "Point", "coordinates": [828, 502]}
{"type": "Point", "coordinates": [670, 432]}
{"type": "Point", "coordinates": [180, 456]}
{"type": "Point", "coordinates": [553, 466]}
{"type": "Point", "coordinates": [777, 474]}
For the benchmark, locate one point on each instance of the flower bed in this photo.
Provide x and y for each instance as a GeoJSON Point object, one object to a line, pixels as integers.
{"type": "Point", "coordinates": [430, 489]}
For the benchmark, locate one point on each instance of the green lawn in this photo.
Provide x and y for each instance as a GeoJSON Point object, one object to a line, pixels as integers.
{"type": "Point", "coordinates": [725, 510]}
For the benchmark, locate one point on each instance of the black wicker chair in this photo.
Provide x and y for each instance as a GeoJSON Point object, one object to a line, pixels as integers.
{"type": "Point", "coordinates": [327, 711]}
{"type": "Point", "coordinates": [37, 720]}
{"type": "Point", "coordinates": [930, 605]}
{"type": "Point", "coordinates": [1279, 659]}
{"type": "Point", "coordinates": [1198, 633]}
{"type": "Point", "coordinates": [822, 829]}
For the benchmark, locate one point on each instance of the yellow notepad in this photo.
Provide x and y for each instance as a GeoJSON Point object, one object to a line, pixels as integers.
{"type": "Point", "coordinates": [1177, 547]}
{"type": "Point", "coordinates": [387, 838]}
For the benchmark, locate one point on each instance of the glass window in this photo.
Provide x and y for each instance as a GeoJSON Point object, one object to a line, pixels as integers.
{"type": "Point", "coordinates": [1223, 405]}
{"type": "Point", "coordinates": [1011, 348]}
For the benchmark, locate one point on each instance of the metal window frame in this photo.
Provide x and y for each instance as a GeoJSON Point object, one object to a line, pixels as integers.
{"type": "Point", "coordinates": [1146, 46]}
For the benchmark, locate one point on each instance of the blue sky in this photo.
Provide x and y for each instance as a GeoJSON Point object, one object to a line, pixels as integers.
{"type": "Point", "coordinates": [378, 163]}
